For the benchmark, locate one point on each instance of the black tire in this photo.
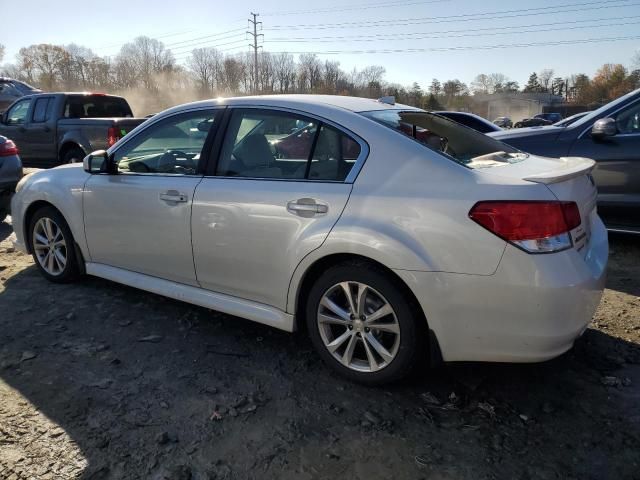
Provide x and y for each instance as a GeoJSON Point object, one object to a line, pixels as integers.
{"type": "Point", "coordinates": [73, 155]}
{"type": "Point", "coordinates": [71, 270]}
{"type": "Point", "coordinates": [412, 327]}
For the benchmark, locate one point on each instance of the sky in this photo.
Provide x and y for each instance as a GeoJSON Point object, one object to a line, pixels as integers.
{"type": "Point", "coordinates": [415, 40]}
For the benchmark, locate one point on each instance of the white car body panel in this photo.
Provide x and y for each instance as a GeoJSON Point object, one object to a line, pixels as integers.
{"type": "Point", "coordinates": [197, 296]}
{"type": "Point", "coordinates": [237, 249]}
{"type": "Point", "coordinates": [129, 226]}
{"type": "Point", "coordinates": [246, 243]}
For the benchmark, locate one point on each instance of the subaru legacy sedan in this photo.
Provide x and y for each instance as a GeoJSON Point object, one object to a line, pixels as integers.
{"type": "Point", "coordinates": [391, 234]}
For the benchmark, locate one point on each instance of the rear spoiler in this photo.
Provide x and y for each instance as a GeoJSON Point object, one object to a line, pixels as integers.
{"type": "Point", "coordinates": [570, 167]}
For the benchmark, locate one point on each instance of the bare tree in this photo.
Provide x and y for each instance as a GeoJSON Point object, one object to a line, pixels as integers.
{"type": "Point", "coordinates": [148, 57]}
{"type": "Point", "coordinates": [2, 50]}
{"type": "Point", "coordinates": [545, 77]}
{"type": "Point", "coordinates": [309, 72]}
{"type": "Point", "coordinates": [205, 63]}
{"type": "Point", "coordinates": [284, 71]}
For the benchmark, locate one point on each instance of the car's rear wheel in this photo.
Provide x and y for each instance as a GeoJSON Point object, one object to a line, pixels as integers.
{"type": "Point", "coordinates": [52, 246]}
{"type": "Point", "coordinates": [73, 155]}
{"type": "Point", "coordinates": [363, 326]}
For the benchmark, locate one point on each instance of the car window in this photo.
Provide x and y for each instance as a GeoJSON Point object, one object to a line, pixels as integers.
{"type": "Point", "coordinates": [18, 113]}
{"type": "Point", "coordinates": [42, 109]}
{"type": "Point", "coordinates": [267, 144]}
{"type": "Point", "coordinates": [96, 106]}
{"type": "Point", "coordinates": [171, 146]}
{"type": "Point", "coordinates": [333, 156]}
{"type": "Point", "coordinates": [628, 121]}
{"type": "Point", "coordinates": [8, 89]}
{"type": "Point", "coordinates": [456, 142]}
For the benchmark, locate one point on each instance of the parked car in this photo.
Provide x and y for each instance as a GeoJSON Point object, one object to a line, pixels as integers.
{"type": "Point", "coordinates": [11, 90]}
{"type": "Point", "coordinates": [611, 136]}
{"type": "Point", "coordinates": [55, 128]}
{"type": "Point", "coordinates": [551, 117]}
{"type": "Point", "coordinates": [460, 249]}
{"type": "Point", "coordinates": [531, 122]}
{"type": "Point", "coordinates": [470, 120]}
{"type": "Point", "coordinates": [503, 122]}
{"type": "Point", "coordinates": [565, 122]}
{"type": "Point", "coordinates": [10, 174]}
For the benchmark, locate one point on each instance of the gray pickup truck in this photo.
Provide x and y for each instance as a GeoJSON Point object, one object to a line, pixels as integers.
{"type": "Point", "coordinates": [55, 128]}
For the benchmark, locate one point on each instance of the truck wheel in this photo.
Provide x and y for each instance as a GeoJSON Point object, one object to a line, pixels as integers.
{"type": "Point", "coordinates": [73, 155]}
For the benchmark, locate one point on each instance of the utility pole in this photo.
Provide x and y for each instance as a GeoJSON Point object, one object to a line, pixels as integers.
{"type": "Point", "coordinates": [255, 47]}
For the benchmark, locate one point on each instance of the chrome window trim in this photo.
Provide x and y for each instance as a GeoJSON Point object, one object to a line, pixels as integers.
{"type": "Point", "coordinates": [610, 115]}
{"type": "Point", "coordinates": [152, 121]}
{"type": "Point", "coordinates": [353, 173]}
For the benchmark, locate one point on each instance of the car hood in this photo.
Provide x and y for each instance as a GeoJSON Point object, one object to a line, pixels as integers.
{"type": "Point", "coordinates": [516, 133]}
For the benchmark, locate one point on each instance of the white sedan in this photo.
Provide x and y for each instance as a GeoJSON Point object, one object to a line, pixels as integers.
{"type": "Point", "coordinates": [392, 233]}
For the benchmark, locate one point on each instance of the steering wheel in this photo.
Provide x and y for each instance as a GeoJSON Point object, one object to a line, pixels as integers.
{"type": "Point", "coordinates": [168, 162]}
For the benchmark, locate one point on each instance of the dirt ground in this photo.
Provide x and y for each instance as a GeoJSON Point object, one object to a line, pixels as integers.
{"type": "Point", "coordinates": [101, 381]}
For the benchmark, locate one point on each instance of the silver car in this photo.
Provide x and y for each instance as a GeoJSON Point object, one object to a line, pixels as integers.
{"type": "Point", "coordinates": [391, 233]}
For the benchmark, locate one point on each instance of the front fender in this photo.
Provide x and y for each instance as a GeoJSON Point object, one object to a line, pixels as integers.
{"type": "Point", "coordinates": [61, 187]}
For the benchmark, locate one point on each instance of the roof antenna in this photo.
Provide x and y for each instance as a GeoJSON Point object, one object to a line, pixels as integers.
{"type": "Point", "coordinates": [389, 100]}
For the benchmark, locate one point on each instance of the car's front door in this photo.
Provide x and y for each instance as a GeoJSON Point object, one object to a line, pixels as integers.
{"type": "Point", "coordinates": [140, 218]}
{"type": "Point", "coordinates": [281, 182]}
{"type": "Point", "coordinates": [617, 172]}
{"type": "Point", "coordinates": [14, 127]}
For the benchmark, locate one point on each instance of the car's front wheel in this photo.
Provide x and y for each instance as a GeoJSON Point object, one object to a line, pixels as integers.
{"type": "Point", "coordinates": [363, 325]}
{"type": "Point", "coordinates": [52, 246]}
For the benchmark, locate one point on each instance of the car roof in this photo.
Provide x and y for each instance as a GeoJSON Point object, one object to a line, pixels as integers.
{"type": "Point", "coordinates": [354, 104]}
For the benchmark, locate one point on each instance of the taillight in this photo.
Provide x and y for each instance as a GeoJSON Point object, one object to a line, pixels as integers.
{"type": "Point", "coordinates": [113, 135]}
{"type": "Point", "coordinates": [534, 226]}
{"type": "Point", "coordinates": [8, 148]}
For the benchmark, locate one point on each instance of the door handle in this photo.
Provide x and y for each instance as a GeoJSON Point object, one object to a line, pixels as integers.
{"type": "Point", "coordinates": [173, 196]}
{"type": "Point", "coordinates": [307, 207]}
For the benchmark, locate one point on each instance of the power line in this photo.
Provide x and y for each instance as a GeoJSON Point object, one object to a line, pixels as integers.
{"type": "Point", "coordinates": [459, 18]}
{"type": "Point", "coordinates": [208, 45]}
{"type": "Point", "coordinates": [364, 6]}
{"type": "Point", "coordinates": [471, 34]}
{"type": "Point", "coordinates": [468, 47]}
{"type": "Point", "coordinates": [391, 36]}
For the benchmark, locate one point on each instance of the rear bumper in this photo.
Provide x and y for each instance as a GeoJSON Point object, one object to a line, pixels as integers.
{"type": "Point", "coordinates": [531, 309]}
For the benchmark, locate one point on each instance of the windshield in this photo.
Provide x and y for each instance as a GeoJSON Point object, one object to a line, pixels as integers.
{"type": "Point", "coordinates": [457, 142]}
{"type": "Point", "coordinates": [598, 113]}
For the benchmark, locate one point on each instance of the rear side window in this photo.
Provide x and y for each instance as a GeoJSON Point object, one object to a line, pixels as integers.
{"type": "Point", "coordinates": [454, 141]}
{"type": "Point", "coordinates": [281, 145]}
{"type": "Point", "coordinates": [96, 106]}
{"type": "Point", "coordinates": [334, 155]}
{"type": "Point", "coordinates": [42, 110]}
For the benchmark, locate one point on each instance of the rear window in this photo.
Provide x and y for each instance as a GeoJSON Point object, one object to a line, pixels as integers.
{"type": "Point", "coordinates": [96, 106]}
{"type": "Point", "coordinates": [456, 142]}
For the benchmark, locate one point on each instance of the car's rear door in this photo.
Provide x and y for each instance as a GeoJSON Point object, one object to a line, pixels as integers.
{"type": "Point", "coordinates": [281, 182]}
{"type": "Point", "coordinates": [617, 172]}
{"type": "Point", "coordinates": [140, 218]}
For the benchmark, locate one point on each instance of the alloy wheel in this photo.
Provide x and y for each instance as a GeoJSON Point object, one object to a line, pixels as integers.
{"type": "Point", "coordinates": [50, 246]}
{"type": "Point", "coordinates": [358, 326]}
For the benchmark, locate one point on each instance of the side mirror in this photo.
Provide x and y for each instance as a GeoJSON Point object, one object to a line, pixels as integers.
{"type": "Point", "coordinates": [604, 128]}
{"type": "Point", "coordinates": [96, 162]}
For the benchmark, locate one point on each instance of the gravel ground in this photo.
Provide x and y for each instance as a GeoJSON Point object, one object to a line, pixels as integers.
{"type": "Point", "coordinates": [101, 381]}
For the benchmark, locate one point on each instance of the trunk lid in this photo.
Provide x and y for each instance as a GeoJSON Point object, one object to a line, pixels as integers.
{"type": "Point", "coordinates": [568, 178]}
